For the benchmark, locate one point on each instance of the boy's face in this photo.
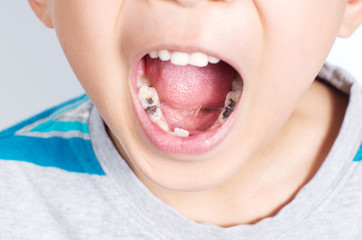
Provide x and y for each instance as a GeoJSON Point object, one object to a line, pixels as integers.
{"type": "Point", "coordinates": [277, 47]}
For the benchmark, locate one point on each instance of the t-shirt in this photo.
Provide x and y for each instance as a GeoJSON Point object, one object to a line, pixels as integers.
{"type": "Point", "coordinates": [61, 177]}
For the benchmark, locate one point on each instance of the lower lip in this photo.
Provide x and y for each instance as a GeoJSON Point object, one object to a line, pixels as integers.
{"type": "Point", "coordinates": [194, 144]}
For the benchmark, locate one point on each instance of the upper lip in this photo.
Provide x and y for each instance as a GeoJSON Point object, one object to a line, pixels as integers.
{"type": "Point", "coordinates": [164, 25]}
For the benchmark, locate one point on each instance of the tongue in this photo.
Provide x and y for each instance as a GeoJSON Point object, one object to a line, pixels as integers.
{"type": "Point", "coordinates": [186, 91]}
{"type": "Point", "coordinates": [187, 87]}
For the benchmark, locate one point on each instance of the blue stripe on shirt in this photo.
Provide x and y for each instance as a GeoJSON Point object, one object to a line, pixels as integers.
{"type": "Point", "coordinates": [70, 107]}
{"type": "Point", "coordinates": [73, 154]}
{"type": "Point", "coordinates": [50, 126]}
{"type": "Point", "coordinates": [10, 131]}
{"type": "Point", "coordinates": [358, 156]}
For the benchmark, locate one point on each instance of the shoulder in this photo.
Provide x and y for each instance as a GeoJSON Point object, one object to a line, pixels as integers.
{"type": "Point", "coordinates": [57, 137]}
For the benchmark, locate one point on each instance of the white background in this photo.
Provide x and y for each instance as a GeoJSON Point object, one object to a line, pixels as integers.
{"type": "Point", "coordinates": [35, 75]}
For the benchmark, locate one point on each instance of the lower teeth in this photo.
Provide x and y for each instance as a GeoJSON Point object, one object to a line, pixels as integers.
{"type": "Point", "coordinates": [163, 125]}
{"type": "Point", "coordinates": [230, 103]}
{"type": "Point", "coordinates": [149, 100]}
{"type": "Point", "coordinates": [181, 132]}
{"type": "Point", "coordinates": [154, 113]}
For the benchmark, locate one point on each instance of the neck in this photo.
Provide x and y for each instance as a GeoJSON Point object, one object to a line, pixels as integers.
{"type": "Point", "coordinates": [272, 178]}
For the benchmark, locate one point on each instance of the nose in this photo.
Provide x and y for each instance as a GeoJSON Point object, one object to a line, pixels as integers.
{"type": "Point", "coordinates": [190, 3]}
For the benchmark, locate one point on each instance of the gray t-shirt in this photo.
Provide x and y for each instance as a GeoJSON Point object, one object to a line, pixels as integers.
{"type": "Point", "coordinates": [62, 178]}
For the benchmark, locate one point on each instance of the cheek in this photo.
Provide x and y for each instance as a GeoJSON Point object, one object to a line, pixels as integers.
{"type": "Point", "coordinates": [87, 31]}
{"type": "Point", "coordinates": [297, 37]}
{"type": "Point", "coordinates": [299, 34]}
{"type": "Point", "coordinates": [89, 34]}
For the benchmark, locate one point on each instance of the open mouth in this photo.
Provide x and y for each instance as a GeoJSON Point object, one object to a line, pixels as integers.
{"type": "Point", "coordinates": [186, 102]}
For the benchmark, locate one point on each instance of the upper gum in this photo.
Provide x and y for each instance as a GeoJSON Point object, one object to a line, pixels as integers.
{"type": "Point", "coordinates": [188, 53]}
{"type": "Point", "coordinates": [199, 59]}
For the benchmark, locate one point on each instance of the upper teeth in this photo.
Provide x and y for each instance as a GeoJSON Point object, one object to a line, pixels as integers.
{"type": "Point", "coordinates": [164, 55]}
{"type": "Point", "coordinates": [237, 84]}
{"type": "Point", "coordinates": [199, 59]}
{"type": "Point", "coordinates": [180, 58]}
{"type": "Point", "coordinates": [142, 81]}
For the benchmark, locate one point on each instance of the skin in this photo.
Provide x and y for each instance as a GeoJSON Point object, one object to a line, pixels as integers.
{"type": "Point", "coordinates": [286, 123]}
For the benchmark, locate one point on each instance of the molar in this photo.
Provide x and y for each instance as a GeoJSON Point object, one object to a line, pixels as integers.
{"type": "Point", "coordinates": [232, 96]}
{"type": "Point", "coordinates": [148, 97]}
{"type": "Point", "coordinates": [154, 113]}
{"type": "Point", "coordinates": [231, 100]}
{"type": "Point", "coordinates": [142, 81]}
{"type": "Point", "coordinates": [237, 83]}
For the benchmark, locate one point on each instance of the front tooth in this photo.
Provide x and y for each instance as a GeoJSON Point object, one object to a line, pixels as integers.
{"type": "Point", "coordinates": [164, 55]}
{"type": "Point", "coordinates": [179, 58]}
{"type": "Point", "coordinates": [148, 97]}
{"type": "Point", "coordinates": [237, 83]}
{"type": "Point", "coordinates": [154, 113]}
{"type": "Point", "coordinates": [154, 54]}
{"type": "Point", "coordinates": [198, 59]}
{"type": "Point", "coordinates": [213, 60]}
{"type": "Point", "coordinates": [181, 132]}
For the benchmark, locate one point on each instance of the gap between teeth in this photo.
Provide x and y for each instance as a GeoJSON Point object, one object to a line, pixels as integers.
{"type": "Point", "coordinates": [197, 59]}
{"type": "Point", "coordinates": [148, 98]}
